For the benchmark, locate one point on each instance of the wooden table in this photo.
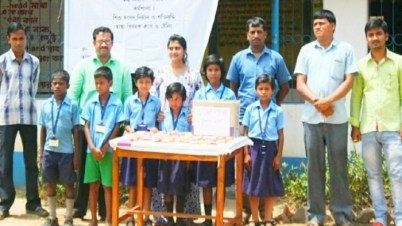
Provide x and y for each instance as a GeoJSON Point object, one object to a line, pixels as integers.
{"type": "Point", "coordinates": [141, 151]}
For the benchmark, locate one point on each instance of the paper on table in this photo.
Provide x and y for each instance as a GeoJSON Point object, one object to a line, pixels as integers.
{"type": "Point", "coordinates": [211, 121]}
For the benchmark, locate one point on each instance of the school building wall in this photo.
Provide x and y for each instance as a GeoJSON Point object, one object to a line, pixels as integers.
{"type": "Point", "coordinates": [351, 17]}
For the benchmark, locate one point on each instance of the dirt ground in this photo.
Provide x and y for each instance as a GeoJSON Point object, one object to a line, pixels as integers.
{"type": "Point", "coordinates": [18, 217]}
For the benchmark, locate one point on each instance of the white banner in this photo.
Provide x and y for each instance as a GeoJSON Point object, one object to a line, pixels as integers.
{"type": "Point", "coordinates": [141, 29]}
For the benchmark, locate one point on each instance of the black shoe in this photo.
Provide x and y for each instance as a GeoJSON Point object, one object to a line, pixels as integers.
{"type": "Point", "coordinates": [246, 217]}
{"type": "Point", "coordinates": [170, 222]}
{"type": "Point", "coordinates": [130, 222]}
{"type": "Point", "coordinates": [4, 214]}
{"type": "Point", "coordinates": [148, 222]}
{"type": "Point", "coordinates": [180, 222]}
{"type": "Point", "coordinates": [77, 214]}
{"type": "Point", "coordinates": [207, 223]}
{"type": "Point", "coordinates": [102, 218]}
{"type": "Point", "coordinates": [39, 211]}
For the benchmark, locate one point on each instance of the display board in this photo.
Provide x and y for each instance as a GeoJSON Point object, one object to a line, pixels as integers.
{"type": "Point", "coordinates": [141, 29]}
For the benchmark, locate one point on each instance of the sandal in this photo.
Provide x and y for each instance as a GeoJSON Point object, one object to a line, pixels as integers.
{"type": "Point", "coordinates": [4, 214]}
{"type": "Point", "coordinates": [148, 222]}
{"type": "Point", "coordinates": [39, 211]}
{"type": "Point", "coordinates": [312, 223]}
{"type": "Point", "coordinates": [130, 222]}
{"type": "Point", "coordinates": [269, 223]}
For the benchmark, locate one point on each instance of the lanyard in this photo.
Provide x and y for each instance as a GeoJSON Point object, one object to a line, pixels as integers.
{"type": "Point", "coordinates": [143, 107]}
{"type": "Point", "coordinates": [103, 108]}
{"type": "Point", "coordinates": [220, 98]}
{"type": "Point", "coordinates": [177, 119]}
{"type": "Point", "coordinates": [54, 123]}
{"type": "Point", "coordinates": [262, 130]}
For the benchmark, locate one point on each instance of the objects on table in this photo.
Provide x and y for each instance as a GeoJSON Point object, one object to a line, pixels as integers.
{"type": "Point", "coordinates": [178, 137]}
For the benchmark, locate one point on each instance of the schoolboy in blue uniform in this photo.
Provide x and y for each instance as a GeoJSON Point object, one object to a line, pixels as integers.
{"type": "Point", "coordinates": [173, 178]}
{"type": "Point", "coordinates": [59, 117]}
{"type": "Point", "coordinates": [103, 115]}
{"type": "Point", "coordinates": [263, 122]}
{"type": "Point", "coordinates": [205, 173]}
{"type": "Point", "coordinates": [140, 112]}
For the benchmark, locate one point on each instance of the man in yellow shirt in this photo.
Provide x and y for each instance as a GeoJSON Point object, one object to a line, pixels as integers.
{"type": "Point", "coordinates": [378, 90]}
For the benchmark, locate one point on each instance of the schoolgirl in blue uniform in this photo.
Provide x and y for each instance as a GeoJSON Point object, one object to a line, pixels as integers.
{"type": "Point", "coordinates": [173, 178]}
{"type": "Point", "coordinates": [140, 112]}
{"type": "Point", "coordinates": [263, 122]}
{"type": "Point", "coordinates": [204, 174]}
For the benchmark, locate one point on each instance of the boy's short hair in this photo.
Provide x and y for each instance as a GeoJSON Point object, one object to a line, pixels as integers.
{"type": "Point", "coordinates": [176, 87]}
{"type": "Point", "coordinates": [104, 72]}
{"type": "Point", "coordinates": [143, 72]}
{"type": "Point", "coordinates": [63, 74]}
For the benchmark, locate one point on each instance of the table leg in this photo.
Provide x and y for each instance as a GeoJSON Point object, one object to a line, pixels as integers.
{"type": "Point", "coordinates": [239, 185]}
{"type": "Point", "coordinates": [140, 190]}
{"type": "Point", "coordinates": [220, 189]}
{"type": "Point", "coordinates": [115, 189]}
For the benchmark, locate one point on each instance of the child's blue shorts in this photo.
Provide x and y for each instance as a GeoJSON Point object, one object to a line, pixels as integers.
{"type": "Point", "coordinates": [58, 167]}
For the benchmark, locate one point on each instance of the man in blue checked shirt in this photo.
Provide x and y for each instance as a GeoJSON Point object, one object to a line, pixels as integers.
{"type": "Point", "coordinates": [19, 76]}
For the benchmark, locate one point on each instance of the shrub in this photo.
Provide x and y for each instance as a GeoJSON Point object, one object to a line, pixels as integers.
{"type": "Point", "coordinates": [61, 191]}
{"type": "Point", "coordinates": [295, 181]}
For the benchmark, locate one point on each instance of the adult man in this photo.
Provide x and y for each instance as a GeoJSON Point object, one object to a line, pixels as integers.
{"type": "Point", "coordinates": [256, 60]}
{"type": "Point", "coordinates": [325, 70]}
{"type": "Point", "coordinates": [379, 125]}
{"type": "Point", "coordinates": [247, 65]}
{"type": "Point", "coordinates": [82, 88]}
{"type": "Point", "coordinates": [19, 76]}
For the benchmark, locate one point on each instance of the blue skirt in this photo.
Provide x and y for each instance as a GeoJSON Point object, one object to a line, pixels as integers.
{"type": "Point", "coordinates": [204, 174]}
{"type": "Point", "coordinates": [262, 180]}
{"type": "Point", "coordinates": [128, 172]}
{"type": "Point", "coordinates": [173, 177]}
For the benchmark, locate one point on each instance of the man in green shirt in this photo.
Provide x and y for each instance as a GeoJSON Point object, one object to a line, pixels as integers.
{"type": "Point", "coordinates": [378, 90]}
{"type": "Point", "coordinates": [82, 88]}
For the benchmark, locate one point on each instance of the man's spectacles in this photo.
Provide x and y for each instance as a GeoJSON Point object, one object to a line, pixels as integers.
{"type": "Point", "coordinates": [107, 42]}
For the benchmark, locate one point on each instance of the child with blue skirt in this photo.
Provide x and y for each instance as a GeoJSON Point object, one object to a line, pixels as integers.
{"type": "Point", "coordinates": [140, 111]}
{"type": "Point", "coordinates": [263, 122]}
{"type": "Point", "coordinates": [204, 174]}
{"type": "Point", "coordinates": [173, 176]}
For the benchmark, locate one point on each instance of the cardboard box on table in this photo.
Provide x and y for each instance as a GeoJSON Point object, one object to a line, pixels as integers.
{"type": "Point", "coordinates": [217, 118]}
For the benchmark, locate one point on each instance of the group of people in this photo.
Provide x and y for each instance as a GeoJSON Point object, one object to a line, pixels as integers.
{"type": "Point", "coordinates": [98, 104]}
{"type": "Point", "coordinates": [326, 70]}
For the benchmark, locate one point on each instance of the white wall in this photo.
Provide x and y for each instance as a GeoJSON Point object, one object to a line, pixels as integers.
{"type": "Point", "coordinates": [351, 16]}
